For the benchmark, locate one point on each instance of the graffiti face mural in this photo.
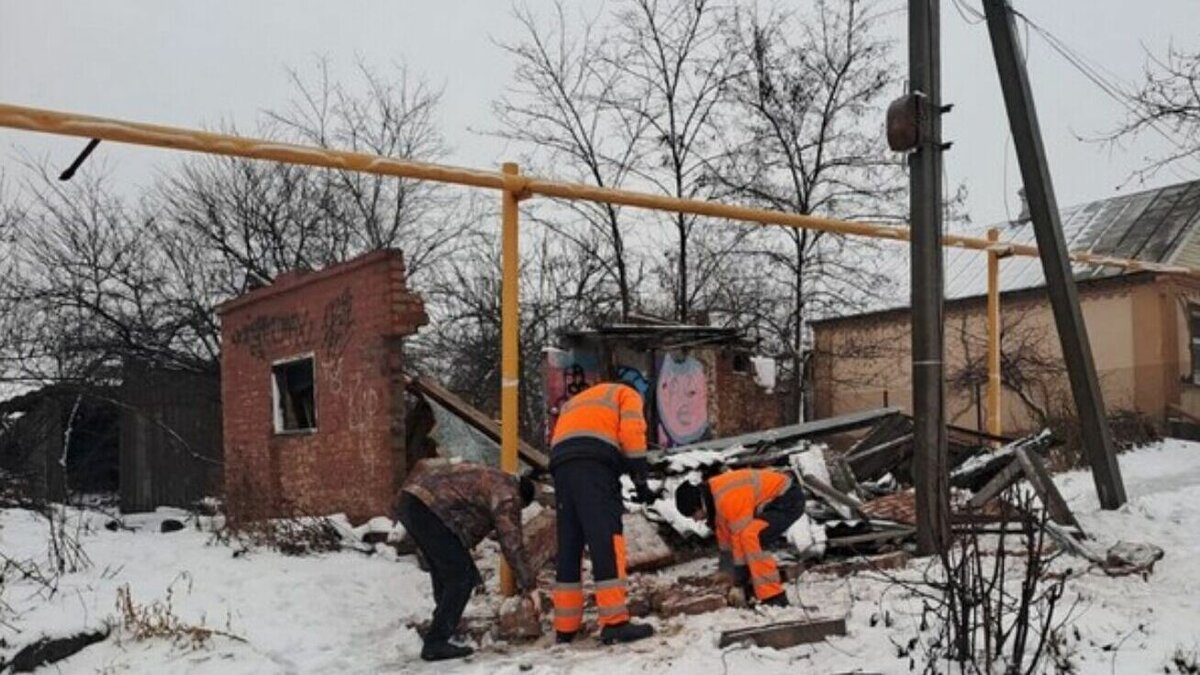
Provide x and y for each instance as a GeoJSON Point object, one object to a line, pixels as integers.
{"type": "Point", "coordinates": [682, 395]}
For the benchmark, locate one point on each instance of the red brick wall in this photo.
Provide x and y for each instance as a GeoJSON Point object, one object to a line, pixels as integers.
{"type": "Point", "coordinates": [742, 406]}
{"type": "Point", "coordinates": [352, 318]}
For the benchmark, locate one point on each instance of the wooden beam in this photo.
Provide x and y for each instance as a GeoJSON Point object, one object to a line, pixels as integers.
{"type": "Point", "coordinates": [870, 463]}
{"type": "Point", "coordinates": [472, 416]}
{"type": "Point", "coordinates": [785, 633]}
{"type": "Point", "coordinates": [1037, 475]}
{"type": "Point", "coordinates": [853, 507]}
{"type": "Point", "coordinates": [999, 483]}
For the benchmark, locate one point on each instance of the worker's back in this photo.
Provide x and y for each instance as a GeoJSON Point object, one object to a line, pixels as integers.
{"type": "Point", "coordinates": [603, 422]}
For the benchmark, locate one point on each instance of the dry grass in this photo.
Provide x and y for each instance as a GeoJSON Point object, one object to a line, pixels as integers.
{"type": "Point", "coordinates": [158, 619]}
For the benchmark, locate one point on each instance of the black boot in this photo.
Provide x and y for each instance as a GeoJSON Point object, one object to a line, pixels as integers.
{"type": "Point", "coordinates": [440, 651]}
{"type": "Point", "coordinates": [777, 600]}
{"type": "Point", "coordinates": [563, 638]}
{"type": "Point", "coordinates": [625, 632]}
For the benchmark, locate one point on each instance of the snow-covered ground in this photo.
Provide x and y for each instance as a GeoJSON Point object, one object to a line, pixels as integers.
{"type": "Point", "coordinates": [349, 612]}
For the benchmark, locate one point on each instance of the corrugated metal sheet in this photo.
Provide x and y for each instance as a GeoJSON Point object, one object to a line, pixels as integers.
{"type": "Point", "coordinates": [1157, 225]}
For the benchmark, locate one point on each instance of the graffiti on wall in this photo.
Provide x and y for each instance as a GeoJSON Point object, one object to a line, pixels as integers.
{"type": "Point", "coordinates": [272, 331]}
{"type": "Point", "coordinates": [338, 322]}
{"type": "Point", "coordinates": [634, 378]}
{"type": "Point", "coordinates": [681, 394]}
{"type": "Point", "coordinates": [567, 373]}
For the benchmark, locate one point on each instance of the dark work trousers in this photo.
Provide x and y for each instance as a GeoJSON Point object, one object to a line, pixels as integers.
{"type": "Point", "coordinates": [587, 494]}
{"type": "Point", "coordinates": [780, 513]}
{"type": "Point", "coordinates": [450, 565]}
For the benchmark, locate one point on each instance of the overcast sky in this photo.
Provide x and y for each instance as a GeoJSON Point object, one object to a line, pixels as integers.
{"type": "Point", "coordinates": [192, 63]}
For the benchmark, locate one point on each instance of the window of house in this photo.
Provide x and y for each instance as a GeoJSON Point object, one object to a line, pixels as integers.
{"type": "Point", "coordinates": [1194, 331]}
{"type": "Point", "coordinates": [294, 395]}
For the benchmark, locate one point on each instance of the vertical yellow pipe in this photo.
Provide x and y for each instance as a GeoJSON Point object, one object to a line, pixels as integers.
{"type": "Point", "coordinates": [509, 327]}
{"type": "Point", "coordinates": [993, 341]}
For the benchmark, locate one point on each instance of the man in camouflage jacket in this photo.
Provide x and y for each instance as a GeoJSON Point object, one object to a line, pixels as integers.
{"type": "Point", "coordinates": [448, 508]}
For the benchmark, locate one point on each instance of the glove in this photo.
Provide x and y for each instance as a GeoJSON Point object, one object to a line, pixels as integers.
{"type": "Point", "coordinates": [534, 600]}
{"type": "Point", "coordinates": [644, 494]}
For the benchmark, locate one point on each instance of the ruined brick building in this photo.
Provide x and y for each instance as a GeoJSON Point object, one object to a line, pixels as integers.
{"type": "Point", "coordinates": [313, 390]}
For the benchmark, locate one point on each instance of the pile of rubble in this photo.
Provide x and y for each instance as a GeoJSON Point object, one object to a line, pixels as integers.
{"type": "Point", "coordinates": [859, 511]}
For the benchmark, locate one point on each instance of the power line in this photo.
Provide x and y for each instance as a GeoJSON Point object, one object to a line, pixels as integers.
{"type": "Point", "coordinates": [1104, 80]}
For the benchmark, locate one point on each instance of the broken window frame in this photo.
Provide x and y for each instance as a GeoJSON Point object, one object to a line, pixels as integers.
{"type": "Point", "coordinates": [279, 412]}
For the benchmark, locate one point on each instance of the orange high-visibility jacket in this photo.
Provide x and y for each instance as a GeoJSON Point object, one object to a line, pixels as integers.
{"type": "Point", "coordinates": [610, 413]}
{"type": "Point", "coordinates": [738, 497]}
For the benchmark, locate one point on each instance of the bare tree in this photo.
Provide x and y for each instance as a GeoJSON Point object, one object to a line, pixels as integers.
{"type": "Point", "coordinates": [563, 285]}
{"type": "Point", "coordinates": [1168, 103]}
{"type": "Point", "coordinates": [93, 287]}
{"type": "Point", "coordinates": [675, 70]}
{"type": "Point", "coordinates": [260, 219]}
{"type": "Point", "coordinates": [808, 92]}
{"type": "Point", "coordinates": [559, 105]}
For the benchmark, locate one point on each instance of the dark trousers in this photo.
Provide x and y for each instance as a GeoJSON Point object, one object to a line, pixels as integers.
{"type": "Point", "coordinates": [450, 565]}
{"type": "Point", "coordinates": [780, 513]}
{"type": "Point", "coordinates": [589, 508]}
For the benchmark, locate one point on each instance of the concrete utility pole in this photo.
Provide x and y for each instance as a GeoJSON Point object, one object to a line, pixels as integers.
{"type": "Point", "coordinates": [930, 464]}
{"type": "Point", "coordinates": [1052, 248]}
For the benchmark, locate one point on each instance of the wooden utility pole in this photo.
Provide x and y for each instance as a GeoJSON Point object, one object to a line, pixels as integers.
{"type": "Point", "coordinates": [1056, 260]}
{"type": "Point", "coordinates": [930, 464]}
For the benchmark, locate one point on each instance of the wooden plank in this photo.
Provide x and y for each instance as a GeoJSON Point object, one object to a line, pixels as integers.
{"type": "Point", "coordinates": [1037, 475]}
{"type": "Point", "coordinates": [474, 417]}
{"type": "Point", "coordinates": [999, 483]}
{"type": "Point", "coordinates": [851, 507]}
{"type": "Point", "coordinates": [793, 432]}
{"type": "Point", "coordinates": [785, 634]}
{"type": "Point", "coordinates": [870, 537]}
{"type": "Point", "coordinates": [870, 463]}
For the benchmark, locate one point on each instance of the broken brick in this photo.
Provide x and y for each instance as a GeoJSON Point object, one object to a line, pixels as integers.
{"type": "Point", "coordinates": [681, 603]}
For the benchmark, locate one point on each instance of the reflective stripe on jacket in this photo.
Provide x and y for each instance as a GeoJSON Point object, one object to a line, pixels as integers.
{"type": "Point", "coordinates": [610, 413]}
{"type": "Point", "coordinates": [738, 496]}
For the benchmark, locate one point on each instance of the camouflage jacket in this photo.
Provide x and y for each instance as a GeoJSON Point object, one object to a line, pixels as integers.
{"type": "Point", "coordinates": [473, 500]}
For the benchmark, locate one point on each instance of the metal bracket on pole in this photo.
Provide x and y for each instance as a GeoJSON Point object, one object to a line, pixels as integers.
{"type": "Point", "coordinates": [1052, 248]}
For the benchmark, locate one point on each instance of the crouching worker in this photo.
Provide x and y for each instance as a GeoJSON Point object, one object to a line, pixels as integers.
{"type": "Point", "coordinates": [748, 510]}
{"type": "Point", "coordinates": [448, 508]}
{"type": "Point", "coordinates": [600, 434]}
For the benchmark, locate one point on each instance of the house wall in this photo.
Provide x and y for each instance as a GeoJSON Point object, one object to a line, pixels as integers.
{"type": "Point", "coordinates": [1138, 332]}
{"type": "Point", "coordinates": [352, 318]}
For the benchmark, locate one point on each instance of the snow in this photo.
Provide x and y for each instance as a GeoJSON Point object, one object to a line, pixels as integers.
{"type": "Point", "coordinates": [764, 372]}
{"type": "Point", "coordinates": [350, 611]}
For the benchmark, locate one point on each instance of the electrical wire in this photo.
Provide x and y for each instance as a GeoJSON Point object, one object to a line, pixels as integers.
{"type": "Point", "coordinates": [1104, 80]}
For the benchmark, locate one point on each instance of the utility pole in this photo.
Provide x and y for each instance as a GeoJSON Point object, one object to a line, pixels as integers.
{"type": "Point", "coordinates": [930, 464]}
{"type": "Point", "coordinates": [1052, 248]}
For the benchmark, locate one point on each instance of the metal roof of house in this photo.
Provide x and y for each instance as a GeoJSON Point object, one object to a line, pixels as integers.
{"type": "Point", "coordinates": [1160, 225]}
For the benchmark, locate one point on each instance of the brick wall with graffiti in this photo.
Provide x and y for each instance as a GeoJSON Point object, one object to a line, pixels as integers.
{"type": "Point", "coordinates": [689, 396]}
{"type": "Point", "coordinates": [350, 320]}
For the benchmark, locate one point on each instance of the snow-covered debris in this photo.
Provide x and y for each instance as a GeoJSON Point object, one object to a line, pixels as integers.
{"type": "Point", "coordinates": [807, 538]}
{"type": "Point", "coordinates": [349, 612]}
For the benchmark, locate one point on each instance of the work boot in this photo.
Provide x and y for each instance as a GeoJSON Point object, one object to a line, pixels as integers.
{"type": "Point", "coordinates": [440, 651]}
{"type": "Point", "coordinates": [625, 632]}
{"type": "Point", "coordinates": [777, 600]}
{"type": "Point", "coordinates": [563, 638]}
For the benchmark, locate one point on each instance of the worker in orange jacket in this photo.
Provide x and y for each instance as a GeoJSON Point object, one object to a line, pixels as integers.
{"type": "Point", "coordinates": [600, 434]}
{"type": "Point", "coordinates": [748, 510]}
